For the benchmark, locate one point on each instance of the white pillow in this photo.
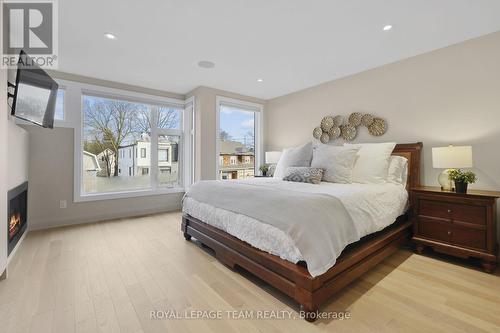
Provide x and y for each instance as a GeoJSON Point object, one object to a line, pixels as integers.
{"type": "Point", "coordinates": [372, 162]}
{"type": "Point", "coordinates": [337, 162]}
{"type": "Point", "coordinates": [398, 170]}
{"type": "Point", "coordinates": [293, 157]}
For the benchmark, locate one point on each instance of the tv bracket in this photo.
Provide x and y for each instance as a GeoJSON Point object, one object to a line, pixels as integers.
{"type": "Point", "coordinates": [10, 85]}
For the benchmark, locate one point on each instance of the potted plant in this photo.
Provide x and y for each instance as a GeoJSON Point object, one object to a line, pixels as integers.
{"type": "Point", "coordinates": [264, 169]}
{"type": "Point", "coordinates": [462, 179]}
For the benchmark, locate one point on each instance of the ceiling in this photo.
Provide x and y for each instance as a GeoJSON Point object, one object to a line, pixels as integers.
{"type": "Point", "coordinates": [290, 44]}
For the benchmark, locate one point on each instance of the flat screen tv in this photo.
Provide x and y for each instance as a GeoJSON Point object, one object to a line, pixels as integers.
{"type": "Point", "coordinates": [35, 93]}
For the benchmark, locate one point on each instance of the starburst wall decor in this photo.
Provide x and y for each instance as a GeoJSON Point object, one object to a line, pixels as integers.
{"type": "Point", "coordinates": [333, 127]}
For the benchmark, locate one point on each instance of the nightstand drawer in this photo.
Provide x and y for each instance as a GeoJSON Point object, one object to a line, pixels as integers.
{"type": "Point", "coordinates": [468, 237]}
{"type": "Point", "coordinates": [469, 214]}
{"type": "Point", "coordinates": [434, 229]}
{"type": "Point", "coordinates": [434, 208]}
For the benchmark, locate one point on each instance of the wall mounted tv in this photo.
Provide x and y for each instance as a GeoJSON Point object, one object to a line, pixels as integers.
{"type": "Point", "coordinates": [35, 93]}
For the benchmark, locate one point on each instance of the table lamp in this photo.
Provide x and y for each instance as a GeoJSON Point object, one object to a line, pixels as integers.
{"type": "Point", "coordinates": [450, 157]}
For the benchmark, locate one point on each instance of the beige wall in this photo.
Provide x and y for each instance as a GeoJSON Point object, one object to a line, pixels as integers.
{"type": "Point", "coordinates": [4, 111]}
{"type": "Point", "coordinates": [449, 96]}
{"type": "Point", "coordinates": [205, 119]}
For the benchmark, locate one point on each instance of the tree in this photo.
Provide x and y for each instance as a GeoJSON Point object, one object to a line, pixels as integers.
{"type": "Point", "coordinates": [111, 123]}
{"type": "Point", "coordinates": [224, 136]}
{"type": "Point", "coordinates": [249, 139]}
{"type": "Point", "coordinates": [167, 118]}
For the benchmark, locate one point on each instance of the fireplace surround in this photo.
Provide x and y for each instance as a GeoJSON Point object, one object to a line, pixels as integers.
{"type": "Point", "coordinates": [17, 215]}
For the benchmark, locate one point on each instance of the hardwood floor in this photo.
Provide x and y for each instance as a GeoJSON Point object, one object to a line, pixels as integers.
{"type": "Point", "coordinates": [107, 277]}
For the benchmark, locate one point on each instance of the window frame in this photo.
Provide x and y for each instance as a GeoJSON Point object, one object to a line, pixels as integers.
{"type": "Point", "coordinates": [73, 103]}
{"type": "Point", "coordinates": [258, 110]}
{"type": "Point", "coordinates": [167, 152]}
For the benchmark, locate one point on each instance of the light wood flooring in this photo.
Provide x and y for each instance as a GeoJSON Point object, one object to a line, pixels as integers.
{"type": "Point", "coordinates": [107, 277]}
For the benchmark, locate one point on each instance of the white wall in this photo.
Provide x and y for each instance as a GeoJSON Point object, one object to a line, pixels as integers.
{"type": "Point", "coordinates": [3, 169]}
{"type": "Point", "coordinates": [449, 96]}
{"type": "Point", "coordinates": [17, 155]}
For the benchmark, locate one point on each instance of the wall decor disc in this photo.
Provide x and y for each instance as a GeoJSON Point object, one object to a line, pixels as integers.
{"type": "Point", "coordinates": [378, 127]}
{"type": "Point", "coordinates": [334, 133]}
{"type": "Point", "coordinates": [367, 120]}
{"type": "Point", "coordinates": [325, 138]}
{"type": "Point", "coordinates": [327, 123]}
{"type": "Point", "coordinates": [348, 132]}
{"type": "Point", "coordinates": [337, 121]}
{"type": "Point", "coordinates": [317, 133]}
{"type": "Point", "coordinates": [355, 119]}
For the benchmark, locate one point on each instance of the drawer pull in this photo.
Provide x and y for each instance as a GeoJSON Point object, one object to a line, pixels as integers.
{"type": "Point", "coordinates": [449, 232]}
{"type": "Point", "coordinates": [449, 210]}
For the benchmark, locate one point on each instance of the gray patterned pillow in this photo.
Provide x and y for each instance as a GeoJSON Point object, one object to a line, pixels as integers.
{"type": "Point", "coordinates": [303, 175]}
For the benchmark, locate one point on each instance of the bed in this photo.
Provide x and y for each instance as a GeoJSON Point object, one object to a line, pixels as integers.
{"type": "Point", "coordinates": [274, 258]}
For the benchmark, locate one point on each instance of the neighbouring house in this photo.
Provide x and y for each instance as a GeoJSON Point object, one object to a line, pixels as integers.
{"type": "Point", "coordinates": [90, 164]}
{"type": "Point", "coordinates": [236, 161]}
{"type": "Point", "coordinates": [106, 160]}
{"type": "Point", "coordinates": [135, 159]}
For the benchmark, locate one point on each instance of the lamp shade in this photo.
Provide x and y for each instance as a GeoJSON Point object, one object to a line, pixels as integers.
{"type": "Point", "coordinates": [272, 157]}
{"type": "Point", "coordinates": [452, 157]}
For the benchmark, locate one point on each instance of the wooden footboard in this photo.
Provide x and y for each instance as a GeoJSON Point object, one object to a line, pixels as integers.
{"type": "Point", "coordinates": [294, 279]}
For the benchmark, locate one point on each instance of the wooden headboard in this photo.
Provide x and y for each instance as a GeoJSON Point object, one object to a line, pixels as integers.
{"type": "Point", "coordinates": [411, 151]}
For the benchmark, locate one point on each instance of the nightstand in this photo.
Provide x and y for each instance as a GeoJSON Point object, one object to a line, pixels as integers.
{"type": "Point", "coordinates": [461, 225]}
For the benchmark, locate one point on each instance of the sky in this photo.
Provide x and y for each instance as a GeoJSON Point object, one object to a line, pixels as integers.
{"type": "Point", "coordinates": [236, 122]}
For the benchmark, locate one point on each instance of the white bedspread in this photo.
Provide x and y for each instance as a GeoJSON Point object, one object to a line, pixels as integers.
{"type": "Point", "coordinates": [371, 206]}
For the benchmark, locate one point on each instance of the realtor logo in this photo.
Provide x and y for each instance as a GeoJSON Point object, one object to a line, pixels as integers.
{"type": "Point", "coordinates": [29, 26]}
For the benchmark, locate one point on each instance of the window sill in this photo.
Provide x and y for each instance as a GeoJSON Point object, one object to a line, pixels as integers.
{"type": "Point", "coordinates": [127, 194]}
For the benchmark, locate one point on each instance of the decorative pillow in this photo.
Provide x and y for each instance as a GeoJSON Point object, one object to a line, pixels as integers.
{"type": "Point", "coordinates": [372, 162]}
{"type": "Point", "coordinates": [336, 162]}
{"type": "Point", "coordinates": [398, 170]}
{"type": "Point", "coordinates": [293, 157]}
{"type": "Point", "coordinates": [303, 175]}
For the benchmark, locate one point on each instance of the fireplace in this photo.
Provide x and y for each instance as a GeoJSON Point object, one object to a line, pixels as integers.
{"type": "Point", "coordinates": [17, 215]}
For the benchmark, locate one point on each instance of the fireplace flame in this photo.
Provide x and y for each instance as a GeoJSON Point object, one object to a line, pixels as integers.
{"type": "Point", "coordinates": [14, 224]}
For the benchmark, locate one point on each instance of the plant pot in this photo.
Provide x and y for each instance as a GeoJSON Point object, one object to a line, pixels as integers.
{"type": "Point", "coordinates": [264, 173]}
{"type": "Point", "coordinates": [461, 187]}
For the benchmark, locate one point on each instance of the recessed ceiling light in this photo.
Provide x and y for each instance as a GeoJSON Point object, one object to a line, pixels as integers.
{"type": "Point", "coordinates": [109, 35]}
{"type": "Point", "coordinates": [387, 27]}
{"type": "Point", "coordinates": [206, 64]}
{"type": "Point", "coordinates": [260, 80]}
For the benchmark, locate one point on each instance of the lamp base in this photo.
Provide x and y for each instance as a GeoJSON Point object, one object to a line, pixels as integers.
{"type": "Point", "coordinates": [444, 181]}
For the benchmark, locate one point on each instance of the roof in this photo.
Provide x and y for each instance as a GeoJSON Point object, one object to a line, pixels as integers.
{"type": "Point", "coordinates": [90, 162]}
{"type": "Point", "coordinates": [229, 168]}
{"type": "Point", "coordinates": [109, 151]}
{"type": "Point", "coordinates": [234, 148]}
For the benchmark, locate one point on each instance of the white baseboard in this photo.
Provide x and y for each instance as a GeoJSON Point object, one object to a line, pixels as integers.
{"type": "Point", "coordinates": [51, 223]}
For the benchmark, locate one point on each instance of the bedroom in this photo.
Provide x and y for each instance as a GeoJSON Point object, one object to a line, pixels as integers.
{"type": "Point", "coordinates": [221, 90]}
